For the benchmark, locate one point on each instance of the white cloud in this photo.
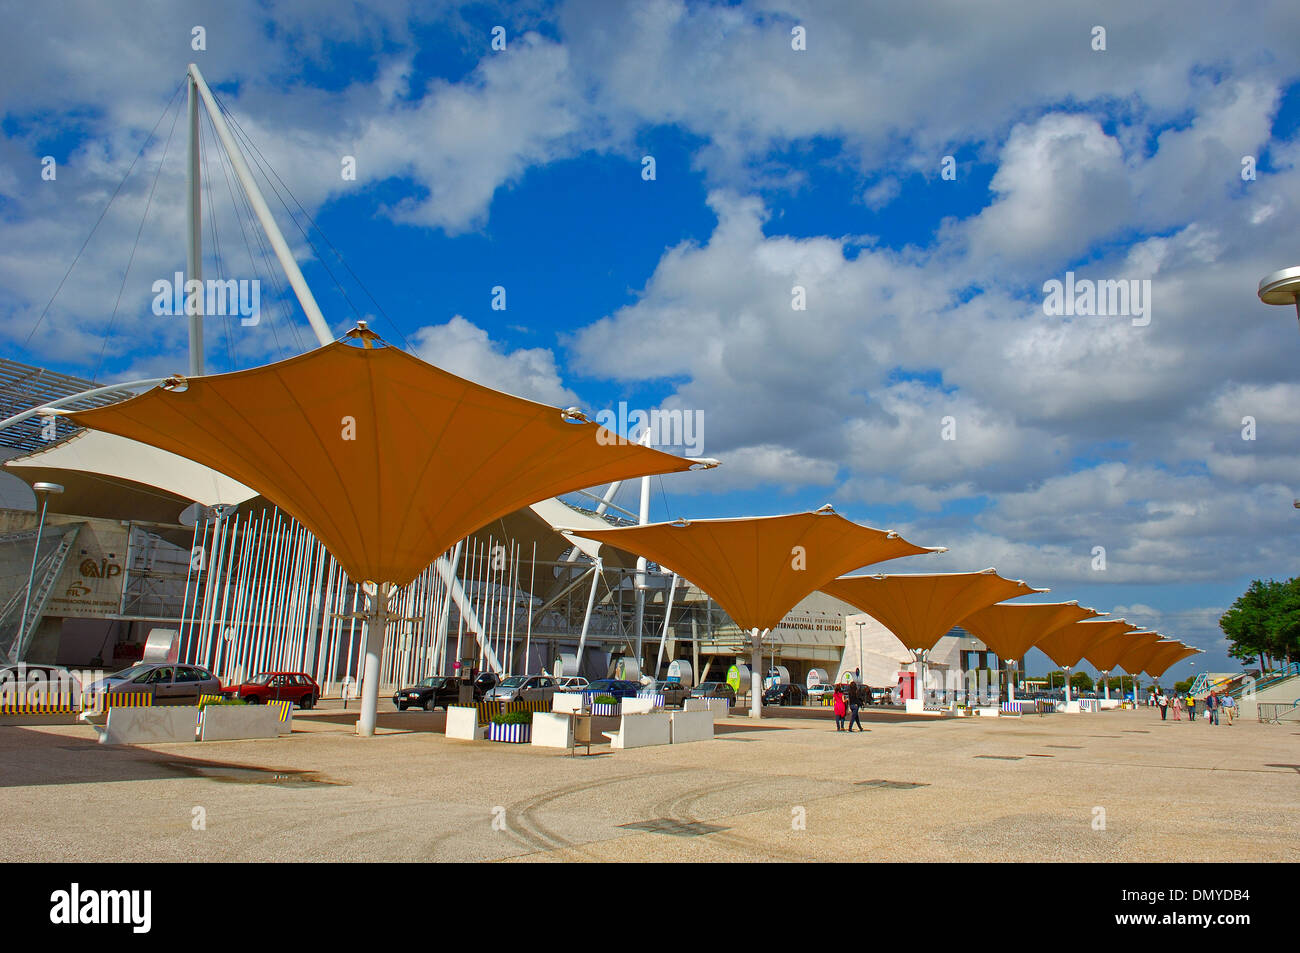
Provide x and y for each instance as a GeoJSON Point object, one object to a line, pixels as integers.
{"type": "Point", "coordinates": [466, 350]}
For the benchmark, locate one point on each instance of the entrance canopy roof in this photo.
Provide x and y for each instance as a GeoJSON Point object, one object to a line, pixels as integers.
{"type": "Point", "coordinates": [1166, 654]}
{"type": "Point", "coordinates": [1105, 656]}
{"type": "Point", "coordinates": [386, 459]}
{"type": "Point", "coordinates": [1011, 629]}
{"type": "Point", "coordinates": [920, 609]}
{"type": "Point", "coordinates": [1068, 645]}
{"type": "Point", "coordinates": [758, 568]}
{"type": "Point", "coordinates": [106, 454]}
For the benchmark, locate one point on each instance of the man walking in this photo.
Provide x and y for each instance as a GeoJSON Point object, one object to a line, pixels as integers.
{"type": "Point", "coordinates": [1163, 701]}
{"type": "Point", "coordinates": [855, 702]}
{"type": "Point", "coordinates": [1229, 707]}
{"type": "Point", "coordinates": [1191, 707]}
{"type": "Point", "coordinates": [1212, 708]}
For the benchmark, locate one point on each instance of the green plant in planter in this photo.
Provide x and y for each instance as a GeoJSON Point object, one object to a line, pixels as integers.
{"type": "Point", "coordinates": [604, 700]}
{"type": "Point", "coordinates": [513, 718]}
{"type": "Point", "coordinates": [221, 701]}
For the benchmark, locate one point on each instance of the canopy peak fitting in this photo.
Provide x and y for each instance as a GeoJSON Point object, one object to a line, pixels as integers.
{"type": "Point", "coordinates": [758, 568]}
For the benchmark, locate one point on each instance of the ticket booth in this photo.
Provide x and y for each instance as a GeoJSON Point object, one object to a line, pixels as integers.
{"type": "Point", "coordinates": [907, 685]}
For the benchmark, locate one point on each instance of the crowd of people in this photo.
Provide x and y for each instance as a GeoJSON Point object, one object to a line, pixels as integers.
{"type": "Point", "coordinates": [1214, 706]}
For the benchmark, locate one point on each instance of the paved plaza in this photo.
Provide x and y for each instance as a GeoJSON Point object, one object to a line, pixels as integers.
{"type": "Point", "coordinates": [1104, 787]}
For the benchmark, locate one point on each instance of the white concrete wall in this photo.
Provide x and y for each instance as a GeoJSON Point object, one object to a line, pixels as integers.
{"type": "Point", "coordinates": [237, 722]}
{"type": "Point", "coordinates": [691, 726]}
{"type": "Point", "coordinates": [552, 730]}
{"type": "Point", "coordinates": [462, 723]}
{"type": "Point", "coordinates": [639, 731]}
{"type": "Point", "coordinates": [146, 725]}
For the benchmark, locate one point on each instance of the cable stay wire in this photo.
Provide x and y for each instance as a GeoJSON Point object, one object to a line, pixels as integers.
{"type": "Point", "coordinates": [218, 257]}
{"type": "Point", "coordinates": [235, 198]}
{"type": "Point", "coordinates": [102, 214]}
{"type": "Point", "coordinates": [144, 217]}
{"type": "Point", "coordinates": [337, 254]}
{"type": "Point", "coordinates": [264, 167]}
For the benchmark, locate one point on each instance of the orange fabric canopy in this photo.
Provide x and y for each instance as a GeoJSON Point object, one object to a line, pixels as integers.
{"type": "Point", "coordinates": [1140, 653]}
{"type": "Point", "coordinates": [1067, 645]}
{"type": "Point", "coordinates": [1011, 629]}
{"type": "Point", "coordinates": [1106, 656]}
{"type": "Point", "coordinates": [1167, 655]}
{"type": "Point", "coordinates": [386, 459]}
{"type": "Point", "coordinates": [920, 609]}
{"type": "Point", "coordinates": [757, 568]}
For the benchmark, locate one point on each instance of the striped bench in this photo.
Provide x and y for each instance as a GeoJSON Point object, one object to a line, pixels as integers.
{"type": "Point", "coordinates": [656, 697]}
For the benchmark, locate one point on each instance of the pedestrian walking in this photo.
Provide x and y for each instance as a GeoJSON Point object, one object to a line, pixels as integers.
{"type": "Point", "coordinates": [1191, 707]}
{"type": "Point", "coordinates": [1229, 705]}
{"type": "Point", "coordinates": [840, 708]}
{"type": "Point", "coordinates": [855, 702]}
{"type": "Point", "coordinates": [1178, 707]}
{"type": "Point", "coordinates": [1163, 701]}
{"type": "Point", "coordinates": [1212, 708]}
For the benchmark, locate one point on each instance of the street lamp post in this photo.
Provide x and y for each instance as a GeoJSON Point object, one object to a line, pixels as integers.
{"type": "Point", "coordinates": [1282, 288]}
{"type": "Point", "coordinates": [43, 492]}
{"type": "Point", "coordinates": [859, 625]}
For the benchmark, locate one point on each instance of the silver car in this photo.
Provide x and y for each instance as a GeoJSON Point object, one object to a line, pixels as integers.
{"type": "Point", "coordinates": [169, 683]}
{"type": "Point", "coordinates": [526, 688]}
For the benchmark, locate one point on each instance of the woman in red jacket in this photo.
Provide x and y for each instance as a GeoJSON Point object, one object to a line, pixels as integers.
{"type": "Point", "coordinates": [841, 708]}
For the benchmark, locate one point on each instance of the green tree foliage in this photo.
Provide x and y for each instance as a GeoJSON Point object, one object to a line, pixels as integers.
{"type": "Point", "coordinates": [1263, 624]}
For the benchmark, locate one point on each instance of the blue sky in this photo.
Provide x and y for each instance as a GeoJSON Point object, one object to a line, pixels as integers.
{"type": "Point", "coordinates": [775, 167]}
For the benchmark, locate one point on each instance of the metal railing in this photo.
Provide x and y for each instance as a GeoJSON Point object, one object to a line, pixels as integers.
{"type": "Point", "coordinates": [1273, 713]}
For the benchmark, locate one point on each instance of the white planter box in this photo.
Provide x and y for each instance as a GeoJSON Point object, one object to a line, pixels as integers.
{"type": "Point", "coordinates": [462, 723]}
{"type": "Point", "coordinates": [512, 734]}
{"type": "Point", "coordinates": [641, 706]}
{"type": "Point", "coordinates": [608, 711]}
{"type": "Point", "coordinates": [143, 726]}
{"type": "Point", "coordinates": [552, 730]}
{"type": "Point", "coordinates": [639, 731]}
{"type": "Point", "coordinates": [239, 722]}
{"type": "Point", "coordinates": [691, 726]}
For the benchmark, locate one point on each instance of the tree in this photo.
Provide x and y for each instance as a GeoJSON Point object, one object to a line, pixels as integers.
{"type": "Point", "coordinates": [1264, 622]}
{"type": "Point", "coordinates": [1081, 681]}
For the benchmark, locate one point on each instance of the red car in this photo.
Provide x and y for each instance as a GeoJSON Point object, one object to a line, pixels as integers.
{"type": "Point", "coordinates": [297, 687]}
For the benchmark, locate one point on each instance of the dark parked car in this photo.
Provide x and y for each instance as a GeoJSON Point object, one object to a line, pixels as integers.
{"type": "Point", "coordinates": [788, 694]}
{"type": "Point", "coordinates": [617, 687]}
{"type": "Point", "coordinates": [674, 693]}
{"type": "Point", "coordinates": [297, 687]}
{"type": "Point", "coordinates": [714, 690]}
{"type": "Point", "coordinates": [438, 691]}
{"type": "Point", "coordinates": [167, 682]}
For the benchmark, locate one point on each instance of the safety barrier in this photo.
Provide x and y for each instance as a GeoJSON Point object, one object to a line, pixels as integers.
{"type": "Point", "coordinates": [487, 709]}
{"type": "Point", "coordinates": [206, 699]}
{"type": "Point", "coordinates": [103, 701]}
{"type": "Point", "coordinates": [284, 710]}
{"type": "Point", "coordinates": [39, 708]}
